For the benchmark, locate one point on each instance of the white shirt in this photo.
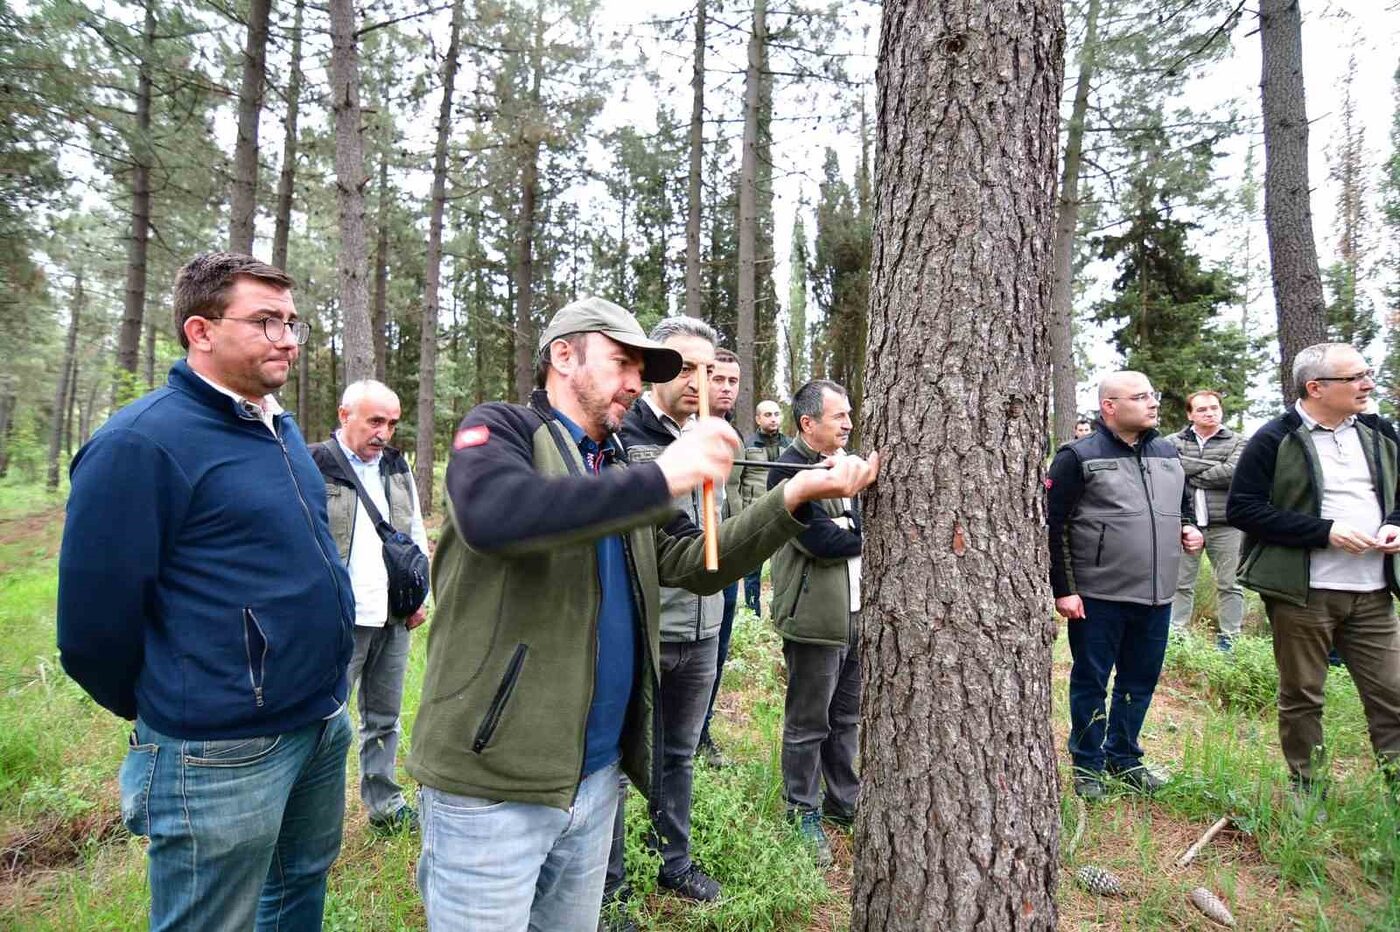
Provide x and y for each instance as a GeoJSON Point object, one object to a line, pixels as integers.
{"type": "Point", "coordinates": [368, 576]}
{"type": "Point", "coordinates": [852, 563]}
{"type": "Point", "coordinates": [1348, 496]}
{"type": "Point", "coordinates": [265, 410]}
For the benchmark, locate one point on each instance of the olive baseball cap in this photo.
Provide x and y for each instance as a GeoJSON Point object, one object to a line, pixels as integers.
{"type": "Point", "coordinates": [594, 315]}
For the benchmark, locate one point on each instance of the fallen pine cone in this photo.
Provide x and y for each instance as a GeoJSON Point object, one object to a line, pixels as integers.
{"type": "Point", "coordinates": [1098, 881]}
{"type": "Point", "coordinates": [1211, 906]}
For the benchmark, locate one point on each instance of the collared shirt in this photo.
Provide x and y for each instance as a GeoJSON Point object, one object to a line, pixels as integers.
{"type": "Point", "coordinates": [264, 409]}
{"type": "Point", "coordinates": [368, 575]}
{"type": "Point", "coordinates": [1349, 497]}
{"type": "Point", "coordinates": [668, 422]}
{"type": "Point", "coordinates": [615, 663]}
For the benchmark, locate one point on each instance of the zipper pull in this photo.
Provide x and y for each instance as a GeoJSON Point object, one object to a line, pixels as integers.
{"type": "Point", "coordinates": [257, 695]}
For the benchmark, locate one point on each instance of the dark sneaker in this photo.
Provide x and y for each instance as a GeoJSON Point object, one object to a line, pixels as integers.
{"type": "Point", "coordinates": [1088, 786]}
{"type": "Point", "coordinates": [402, 821]}
{"type": "Point", "coordinates": [808, 823]}
{"type": "Point", "coordinates": [710, 753]}
{"type": "Point", "coordinates": [839, 816]}
{"type": "Point", "coordinates": [693, 884]}
{"type": "Point", "coordinates": [1140, 780]}
{"type": "Point", "coordinates": [1224, 643]}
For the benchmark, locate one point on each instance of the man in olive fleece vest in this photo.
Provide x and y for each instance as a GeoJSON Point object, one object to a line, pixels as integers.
{"type": "Point", "coordinates": [544, 652]}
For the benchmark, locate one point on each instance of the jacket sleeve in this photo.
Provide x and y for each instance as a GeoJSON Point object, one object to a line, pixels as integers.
{"type": "Point", "coordinates": [744, 543]}
{"type": "Point", "coordinates": [127, 501]}
{"type": "Point", "coordinates": [823, 538]}
{"type": "Point", "coordinates": [1209, 474]}
{"type": "Point", "coordinates": [1064, 487]}
{"type": "Point", "coordinates": [1250, 506]}
{"type": "Point", "coordinates": [1188, 505]}
{"type": "Point", "coordinates": [502, 504]}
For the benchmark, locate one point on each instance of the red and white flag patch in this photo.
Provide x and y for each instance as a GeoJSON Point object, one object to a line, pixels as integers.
{"type": "Point", "coordinates": [471, 437]}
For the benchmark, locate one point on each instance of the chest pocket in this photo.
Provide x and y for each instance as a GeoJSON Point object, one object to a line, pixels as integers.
{"type": "Point", "coordinates": [1111, 487]}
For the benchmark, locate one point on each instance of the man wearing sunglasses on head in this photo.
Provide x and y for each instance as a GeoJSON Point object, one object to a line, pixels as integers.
{"type": "Point", "coordinates": [1119, 515]}
{"type": "Point", "coordinates": [1315, 494]}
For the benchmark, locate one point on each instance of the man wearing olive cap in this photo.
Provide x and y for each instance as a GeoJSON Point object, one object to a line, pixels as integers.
{"type": "Point", "coordinates": [543, 656]}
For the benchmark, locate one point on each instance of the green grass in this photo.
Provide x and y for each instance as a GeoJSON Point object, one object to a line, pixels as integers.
{"type": "Point", "coordinates": [1213, 725]}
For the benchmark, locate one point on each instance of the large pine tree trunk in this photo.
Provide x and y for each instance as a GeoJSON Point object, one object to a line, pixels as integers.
{"type": "Point", "coordinates": [427, 351]}
{"type": "Point", "coordinates": [134, 307]}
{"type": "Point", "coordinates": [379, 309]}
{"type": "Point", "coordinates": [350, 187]}
{"type": "Point", "coordinates": [243, 205]}
{"type": "Point", "coordinates": [1066, 407]}
{"type": "Point", "coordinates": [697, 153]}
{"type": "Point", "coordinates": [286, 179]}
{"type": "Point", "coordinates": [1302, 309]}
{"type": "Point", "coordinates": [958, 822]}
{"type": "Point", "coordinates": [63, 390]}
{"type": "Point", "coordinates": [748, 223]}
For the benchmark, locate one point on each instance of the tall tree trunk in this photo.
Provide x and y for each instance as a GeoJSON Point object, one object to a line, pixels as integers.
{"type": "Point", "coordinates": [1066, 225]}
{"type": "Point", "coordinates": [958, 823]}
{"type": "Point", "coordinates": [379, 310]}
{"type": "Point", "coordinates": [531, 135]}
{"type": "Point", "coordinates": [149, 361]}
{"type": "Point", "coordinates": [350, 187]}
{"type": "Point", "coordinates": [427, 352]}
{"type": "Point", "coordinates": [134, 307]}
{"type": "Point", "coordinates": [7, 420]}
{"type": "Point", "coordinates": [61, 392]}
{"type": "Point", "coordinates": [748, 223]}
{"type": "Point", "coordinates": [70, 406]}
{"type": "Point", "coordinates": [286, 179]}
{"type": "Point", "coordinates": [87, 413]}
{"type": "Point", "coordinates": [1302, 309]}
{"type": "Point", "coordinates": [697, 153]}
{"type": "Point", "coordinates": [243, 205]}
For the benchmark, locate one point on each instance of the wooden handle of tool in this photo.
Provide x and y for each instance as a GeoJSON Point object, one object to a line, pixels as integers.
{"type": "Point", "coordinates": [707, 498]}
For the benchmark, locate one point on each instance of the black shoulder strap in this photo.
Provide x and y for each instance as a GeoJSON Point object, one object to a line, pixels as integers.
{"type": "Point", "coordinates": [384, 528]}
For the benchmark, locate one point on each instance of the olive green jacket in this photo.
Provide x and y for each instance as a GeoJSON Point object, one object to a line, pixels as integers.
{"type": "Point", "coordinates": [511, 648]}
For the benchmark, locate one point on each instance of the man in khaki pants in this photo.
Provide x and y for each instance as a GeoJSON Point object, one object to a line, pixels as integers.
{"type": "Point", "coordinates": [1323, 558]}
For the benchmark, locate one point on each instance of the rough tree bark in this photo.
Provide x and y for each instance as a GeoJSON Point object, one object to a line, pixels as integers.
{"type": "Point", "coordinates": [697, 153]}
{"type": "Point", "coordinates": [243, 205]}
{"type": "Point", "coordinates": [134, 305]}
{"type": "Point", "coordinates": [1302, 309]}
{"type": "Point", "coordinates": [1066, 408]}
{"type": "Point", "coordinates": [379, 308]}
{"type": "Point", "coordinates": [286, 179]}
{"type": "Point", "coordinates": [61, 392]}
{"type": "Point", "coordinates": [748, 224]}
{"type": "Point", "coordinates": [350, 182]}
{"type": "Point", "coordinates": [427, 349]}
{"type": "Point", "coordinates": [958, 822]}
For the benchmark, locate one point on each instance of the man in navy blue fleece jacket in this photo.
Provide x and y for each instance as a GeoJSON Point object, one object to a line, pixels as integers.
{"type": "Point", "coordinates": [201, 594]}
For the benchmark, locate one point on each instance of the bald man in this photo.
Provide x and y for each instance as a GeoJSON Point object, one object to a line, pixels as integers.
{"type": "Point", "coordinates": [1119, 517]}
{"type": "Point", "coordinates": [765, 443]}
{"type": "Point", "coordinates": [369, 414]}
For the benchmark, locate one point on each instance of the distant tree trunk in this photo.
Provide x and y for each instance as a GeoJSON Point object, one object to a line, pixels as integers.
{"type": "Point", "coordinates": [1066, 225]}
{"type": "Point", "coordinates": [87, 413]}
{"type": "Point", "coordinates": [748, 223]}
{"type": "Point", "coordinates": [697, 153]}
{"type": "Point", "coordinates": [286, 179]}
{"type": "Point", "coordinates": [134, 308]}
{"type": "Point", "coordinates": [379, 310]}
{"type": "Point", "coordinates": [427, 352]}
{"type": "Point", "coordinates": [61, 392]}
{"type": "Point", "coordinates": [70, 406]}
{"type": "Point", "coordinates": [304, 387]}
{"type": "Point", "coordinates": [7, 420]}
{"type": "Point", "coordinates": [149, 362]}
{"type": "Point", "coordinates": [531, 136]}
{"type": "Point", "coordinates": [350, 186]}
{"type": "Point", "coordinates": [959, 818]}
{"type": "Point", "coordinates": [243, 205]}
{"type": "Point", "coordinates": [1302, 308]}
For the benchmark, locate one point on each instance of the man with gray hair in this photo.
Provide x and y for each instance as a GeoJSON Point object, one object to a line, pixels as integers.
{"type": "Point", "coordinates": [1315, 494]}
{"type": "Point", "coordinates": [1119, 516]}
{"type": "Point", "coordinates": [369, 414]}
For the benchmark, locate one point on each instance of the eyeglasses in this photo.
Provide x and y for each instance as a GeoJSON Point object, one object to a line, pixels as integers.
{"type": "Point", "coordinates": [275, 328]}
{"type": "Point", "coordinates": [1368, 376]}
{"type": "Point", "coordinates": [1139, 397]}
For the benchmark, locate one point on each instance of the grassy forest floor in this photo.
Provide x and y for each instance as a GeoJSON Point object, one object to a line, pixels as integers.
{"type": "Point", "coordinates": [66, 862]}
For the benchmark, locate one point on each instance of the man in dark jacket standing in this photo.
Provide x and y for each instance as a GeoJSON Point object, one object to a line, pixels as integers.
{"type": "Point", "coordinates": [544, 655]}
{"type": "Point", "coordinates": [766, 443]}
{"type": "Point", "coordinates": [200, 594]}
{"type": "Point", "coordinates": [1209, 452]}
{"type": "Point", "coordinates": [1119, 518]}
{"type": "Point", "coordinates": [1316, 496]}
{"type": "Point", "coordinates": [369, 415]}
{"type": "Point", "coordinates": [816, 606]}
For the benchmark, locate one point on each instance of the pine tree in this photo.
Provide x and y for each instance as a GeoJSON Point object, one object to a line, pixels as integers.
{"type": "Point", "coordinates": [1350, 315]}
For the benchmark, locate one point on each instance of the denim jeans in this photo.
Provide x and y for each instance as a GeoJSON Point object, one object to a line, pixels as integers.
{"type": "Point", "coordinates": [1128, 640]}
{"type": "Point", "coordinates": [753, 589]}
{"type": "Point", "coordinates": [242, 831]}
{"type": "Point", "coordinates": [821, 725]}
{"type": "Point", "coordinates": [376, 674]}
{"type": "Point", "coordinates": [502, 866]}
{"type": "Point", "coordinates": [726, 630]}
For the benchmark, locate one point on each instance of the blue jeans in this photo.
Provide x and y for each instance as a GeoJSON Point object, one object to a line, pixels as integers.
{"type": "Point", "coordinates": [726, 629]}
{"type": "Point", "coordinates": [242, 831]}
{"type": "Point", "coordinates": [1130, 641]}
{"type": "Point", "coordinates": [753, 587]}
{"type": "Point", "coordinates": [502, 866]}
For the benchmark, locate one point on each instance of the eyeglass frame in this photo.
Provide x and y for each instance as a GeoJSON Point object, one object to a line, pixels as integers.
{"type": "Point", "coordinates": [301, 330]}
{"type": "Point", "coordinates": [1140, 397]}
{"type": "Point", "coordinates": [1349, 379]}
